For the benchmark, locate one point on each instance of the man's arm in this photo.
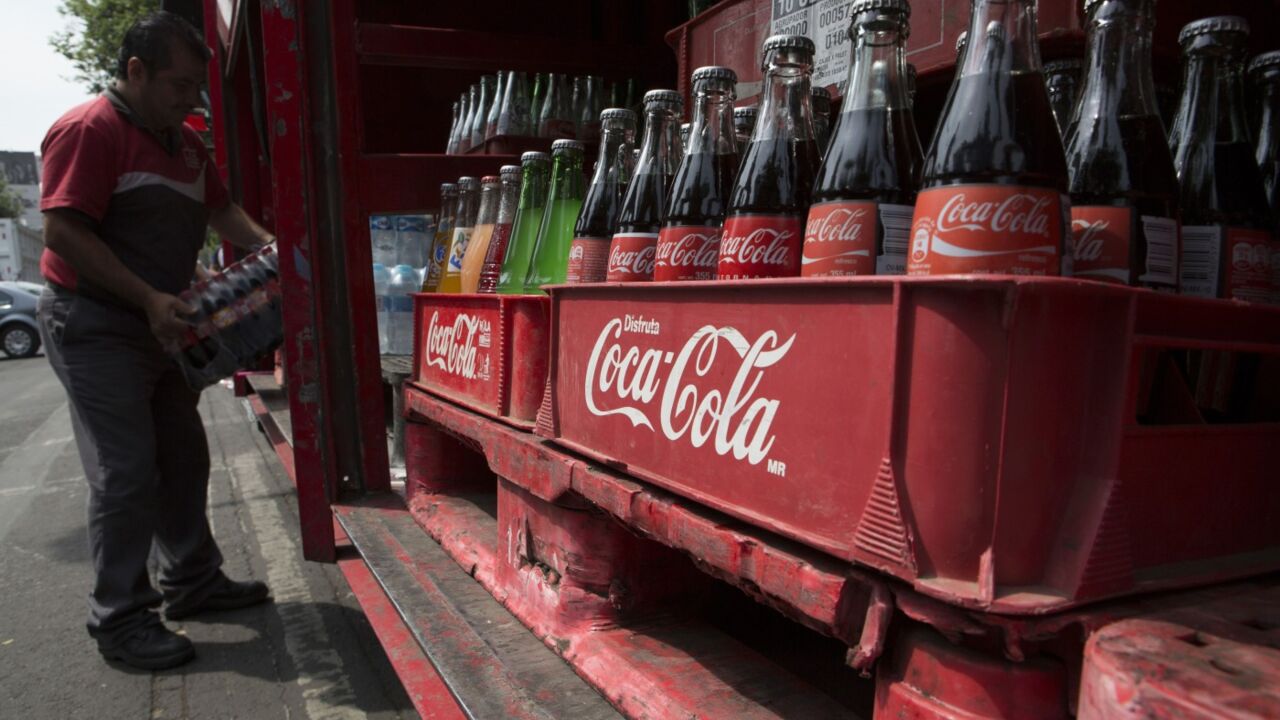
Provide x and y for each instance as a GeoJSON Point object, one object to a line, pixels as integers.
{"type": "Point", "coordinates": [235, 226]}
{"type": "Point", "coordinates": [75, 242]}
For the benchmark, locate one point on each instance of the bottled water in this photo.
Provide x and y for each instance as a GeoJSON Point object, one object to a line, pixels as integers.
{"type": "Point", "coordinates": [404, 283]}
{"type": "Point", "coordinates": [382, 233]}
{"type": "Point", "coordinates": [381, 286]}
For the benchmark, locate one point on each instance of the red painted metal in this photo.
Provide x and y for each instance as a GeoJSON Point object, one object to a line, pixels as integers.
{"type": "Point", "coordinates": [924, 677]}
{"type": "Point", "coordinates": [901, 424]}
{"type": "Point", "coordinates": [484, 352]}
{"type": "Point", "coordinates": [290, 143]}
{"type": "Point", "coordinates": [279, 442]}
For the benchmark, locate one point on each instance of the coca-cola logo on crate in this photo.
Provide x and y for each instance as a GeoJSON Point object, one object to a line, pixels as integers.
{"type": "Point", "coordinates": [631, 373]}
{"type": "Point", "coordinates": [455, 349]}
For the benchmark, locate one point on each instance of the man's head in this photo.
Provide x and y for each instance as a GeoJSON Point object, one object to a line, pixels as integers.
{"type": "Point", "coordinates": [162, 68]}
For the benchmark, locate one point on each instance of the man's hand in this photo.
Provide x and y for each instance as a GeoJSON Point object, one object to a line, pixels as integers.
{"type": "Point", "coordinates": [164, 313]}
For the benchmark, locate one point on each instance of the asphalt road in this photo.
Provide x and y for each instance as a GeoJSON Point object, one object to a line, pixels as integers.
{"type": "Point", "coordinates": [310, 654]}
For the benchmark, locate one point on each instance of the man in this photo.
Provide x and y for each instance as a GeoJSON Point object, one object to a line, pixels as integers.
{"type": "Point", "coordinates": [127, 193]}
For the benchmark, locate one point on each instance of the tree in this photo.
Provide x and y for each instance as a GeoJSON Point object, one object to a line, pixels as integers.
{"type": "Point", "coordinates": [10, 204]}
{"type": "Point", "coordinates": [92, 41]}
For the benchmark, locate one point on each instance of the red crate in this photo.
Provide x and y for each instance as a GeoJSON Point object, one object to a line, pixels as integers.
{"type": "Point", "coordinates": [977, 437]}
{"type": "Point", "coordinates": [484, 352]}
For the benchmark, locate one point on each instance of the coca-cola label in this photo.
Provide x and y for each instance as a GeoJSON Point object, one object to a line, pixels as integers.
{"type": "Point", "coordinates": [840, 239]}
{"type": "Point", "coordinates": [760, 246]}
{"type": "Point", "coordinates": [631, 257]}
{"type": "Point", "coordinates": [1248, 259]}
{"type": "Point", "coordinates": [459, 347]}
{"type": "Point", "coordinates": [1101, 237]}
{"type": "Point", "coordinates": [687, 253]}
{"type": "Point", "coordinates": [588, 260]}
{"type": "Point", "coordinates": [987, 229]}
{"type": "Point", "coordinates": [630, 375]}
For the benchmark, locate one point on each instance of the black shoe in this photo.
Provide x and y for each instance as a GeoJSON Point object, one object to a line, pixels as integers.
{"type": "Point", "coordinates": [151, 647]}
{"type": "Point", "coordinates": [228, 595]}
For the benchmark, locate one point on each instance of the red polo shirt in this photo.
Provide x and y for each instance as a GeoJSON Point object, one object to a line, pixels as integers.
{"type": "Point", "coordinates": [147, 194]}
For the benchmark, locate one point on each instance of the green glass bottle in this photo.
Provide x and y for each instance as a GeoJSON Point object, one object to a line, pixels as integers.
{"type": "Point", "coordinates": [536, 171]}
{"type": "Point", "coordinates": [564, 202]}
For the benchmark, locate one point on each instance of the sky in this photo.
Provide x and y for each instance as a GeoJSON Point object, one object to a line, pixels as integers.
{"type": "Point", "coordinates": [36, 85]}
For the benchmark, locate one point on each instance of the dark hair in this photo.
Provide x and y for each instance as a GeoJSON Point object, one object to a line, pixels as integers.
{"type": "Point", "coordinates": [148, 40]}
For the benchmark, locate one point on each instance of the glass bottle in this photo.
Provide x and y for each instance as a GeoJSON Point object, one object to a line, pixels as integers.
{"type": "Point", "coordinates": [443, 237]}
{"type": "Point", "coordinates": [1124, 191]}
{"type": "Point", "coordinates": [564, 203]}
{"type": "Point", "coordinates": [495, 107]}
{"type": "Point", "coordinates": [536, 172]}
{"type": "Point", "coordinates": [486, 221]}
{"type": "Point", "coordinates": [588, 106]}
{"type": "Point", "coordinates": [744, 123]}
{"type": "Point", "coordinates": [764, 226]}
{"type": "Point", "coordinates": [1226, 224]}
{"type": "Point", "coordinates": [491, 264]}
{"type": "Point", "coordinates": [865, 193]}
{"type": "Point", "coordinates": [537, 102]}
{"type": "Point", "coordinates": [1265, 73]}
{"type": "Point", "coordinates": [822, 118]}
{"type": "Point", "coordinates": [487, 83]}
{"type": "Point", "coordinates": [556, 120]}
{"type": "Point", "coordinates": [1062, 79]}
{"type": "Point", "coordinates": [996, 146]}
{"type": "Point", "coordinates": [689, 242]}
{"type": "Point", "coordinates": [463, 228]}
{"type": "Point", "coordinates": [598, 219]}
{"type": "Point", "coordinates": [513, 117]}
{"type": "Point", "coordinates": [633, 249]}
{"type": "Point", "coordinates": [469, 103]}
{"type": "Point", "coordinates": [451, 145]}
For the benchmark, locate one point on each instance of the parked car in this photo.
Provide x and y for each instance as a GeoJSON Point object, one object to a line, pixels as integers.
{"type": "Point", "coordinates": [19, 337]}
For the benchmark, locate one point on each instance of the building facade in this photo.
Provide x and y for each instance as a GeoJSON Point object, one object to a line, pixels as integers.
{"type": "Point", "coordinates": [22, 171]}
{"type": "Point", "coordinates": [20, 248]}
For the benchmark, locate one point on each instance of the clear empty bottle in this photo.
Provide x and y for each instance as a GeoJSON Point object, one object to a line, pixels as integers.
{"type": "Point", "coordinates": [400, 290]}
{"type": "Point", "coordinates": [513, 117]}
{"type": "Point", "coordinates": [451, 145]}
{"type": "Point", "coordinates": [488, 87]}
{"type": "Point", "coordinates": [470, 102]}
{"type": "Point", "coordinates": [556, 119]}
{"type": "Point", "coordinates": [588, 103]}
{"type": "Point", "coordinates": [495, 107]}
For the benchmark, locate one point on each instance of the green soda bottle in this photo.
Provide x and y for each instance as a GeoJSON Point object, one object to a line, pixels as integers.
{"type": "Point", "coordinates": [564, 202]}
{"type": "Point", "coordinates": [536, 171]}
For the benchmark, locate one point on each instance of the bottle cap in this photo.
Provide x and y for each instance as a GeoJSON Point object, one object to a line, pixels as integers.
{"type": "Point", "coordinates": [714, 72]}
{"type": "Point", "coordinates": [618, 114]}
{"type": "Point", "coordinates": [1265, 61]}
{"type": "Point", "coordinates": [534, 156]}
{"type": "Point", "coordinates": [664, 97]}
{"type": "Point", "coordinates": [884, 6]}
{"type": "Point", "coordinates": [509, 172]}
{"type": "Point", "coordinates": [566, 145]}
{"type": "Point", "coordinates": [449, 188]}
{"type": "Point", "coordinates": [467, 182]}
{"type": "Point", "coordinates": [490, 180]}
{"type": "Point", "coordinates": [1230, 24]}
{"type": "Point", "coordinates": [891, 11]}
{"type": "Point", "coordinates": [1063, 65]}
{"type": "Point", "coordinates": [746, 111]}
{"type": "Point", "coordinates": [789, 42]}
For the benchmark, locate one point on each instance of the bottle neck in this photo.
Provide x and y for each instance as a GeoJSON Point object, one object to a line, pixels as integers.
{"type": "Point", "coordinates": [533, 186]}
{"type": "Point", "coordinates": [785, 111]}
{"type": "Point", "coordinates": [611, 163]}
{"type": "Point", "coordinates": [712, 129]}
{"type": "Point", "coordinates": [489, 197]}
{"type": "Point", "coordinates": [1212, 105]}
{"type": "Point", "coordinates": [655, 148]}
{"type": "Point", "coordinates": [566, 177]}
{"type": "Point", "coordinates": [877, 75]}
{"type": "Point", "coordinates": [1118, 81]}
{"type": "Point", "coordinates": [507, 201]}
{"type": "Point", "coordinates": [448, 209]}
{"type": "Point", "coordinates": [1268, 92]}
{"type": "Point", "coordinates": [466, 215]}
{"type": "Point", "coordinates": [1002, 38]}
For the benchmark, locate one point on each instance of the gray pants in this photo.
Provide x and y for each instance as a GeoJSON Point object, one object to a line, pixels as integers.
{"type": "Point", "coordinates": [145, 457]}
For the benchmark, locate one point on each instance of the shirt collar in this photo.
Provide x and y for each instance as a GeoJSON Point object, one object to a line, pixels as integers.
{"type": "Point", "coordinates": [168, 138]}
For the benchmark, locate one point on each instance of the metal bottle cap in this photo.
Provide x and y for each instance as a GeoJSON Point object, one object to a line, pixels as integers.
{"type": "Point", "coordinates": [490, 180]}
{"type": "Point", "coordinates": [789, 42]}
{"type": "Point", "coordinates": [1265, 61]}
{"type": "Point", "coordinates": [618, 114]}
{"type": "Point", "coordinates": [534, 156]}
{"type": "Point", "coordinates": [663, 97]}
{"type": "Point", "coordinates": [509, 172]}
{"type": "Point", "coordinates": [448, 188]}
{"type": "Point", "coordinates": [714, 72]}
{"type": "Point", "coordinates": [885, 6]}
{"type": "Point", "coordinates": [566, 145]}
{"type": "Point", "coordinates": [467, 182]}
{"type": "Point", "coordinates": [1229, 24]}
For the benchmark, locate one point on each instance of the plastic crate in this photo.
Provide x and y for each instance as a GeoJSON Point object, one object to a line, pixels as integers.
{"type": "Point", "coordinates": [977, 437]}
{"type": "Point", "coordinates": [487, 353]}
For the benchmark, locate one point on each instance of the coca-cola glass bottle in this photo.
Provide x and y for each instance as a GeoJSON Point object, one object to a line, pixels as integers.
{"type": "Point", "coordinates": [992, 196]}
{"type": "Point", "coordinates": [689, 242]}
{"type": "Point", "coordinates": [912, 75]}
{"type": "Point", "coordinates": [564, 205]}
{"type": "Point", "coordinates": [1124, 192]}
{"type": "Point", "coordinates": [513, 117]}
{"type": "Point", "coordinates": [464, 227]}
{"type": "Point", "coordinates": [588, 257]}
{"type": "Point", "coordinates": [495, 107]}
{"type": "Point", "coordinates": [451, 145]}
{"type": "Point", "coordinates": [443, 237]}
{"type": "Point", "coordinates": [764, 226]}
{"type": "Point", "coordinates": [744, 123]}
{"type": "Point", "coordinates": [556, 120]}
{"type": "Point", "coordinates": [1226, 224]}
{"type": "Point", "coordinates": [863, 199]}
{"type": "Point", "coordinates": [1265, 73]}
{"type": "Point", "coordinates": [821, 118]}
{"type": "Point", "coordinates": [469, 103]}
{"type": "Point", "coordinates": [1062, 78]}
{"type": "Point", "coordinates": [496, 251]}
{"type": "Point", "coordinates": [588, 103]}
{"type": "Point", "coordinates": [537, 101]}
{"type": "Point", "coordinates": [635, 242]}
{"type": "Point", "coordinates": [535, 173]}
{"type": "Point", "coordinates": [488, 85]}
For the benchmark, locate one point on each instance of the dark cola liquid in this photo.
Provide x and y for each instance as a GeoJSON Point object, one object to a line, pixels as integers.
{"type": "Point", "coordinates": [700, 190]}
{"type": "Point", "coordinates": [599, 215]}
{"type": "Point", "coordinates": [998, 129]}
{"type": "Point", "coordinates": [776, 177]}
{"type": "Point", "coordinates": [875, 155]}
{"type": "Point", "coordinates": [1231, 194]}
{"type": "Point", "coordinates": [645, 214]}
